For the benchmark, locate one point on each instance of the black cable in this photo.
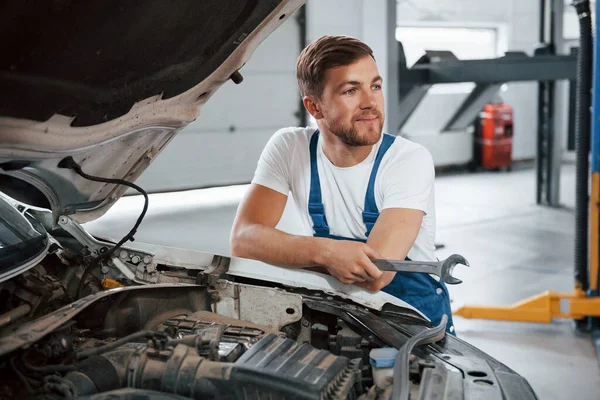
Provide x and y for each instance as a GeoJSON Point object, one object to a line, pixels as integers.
{"type": "Point", "coordinates": [47, 368]}
{"type": "Point", "coordinates": [70, 163]}
{"type": "Point", "coordinates": [583, 103]}
{"type": "Point", "coordinates": [134, 336]}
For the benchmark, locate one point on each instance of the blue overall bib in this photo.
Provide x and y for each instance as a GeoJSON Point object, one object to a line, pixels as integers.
{"type": "Point", "coordinates": [419, 290]}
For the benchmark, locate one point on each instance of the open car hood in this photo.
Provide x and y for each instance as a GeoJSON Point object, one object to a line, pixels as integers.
{"type": "Point", "coordinates": [110, 83]}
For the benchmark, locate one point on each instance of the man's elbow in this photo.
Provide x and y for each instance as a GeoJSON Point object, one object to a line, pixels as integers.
{"type": "Point", "coordinates": [236, 250]}
{"type": "Point", "coordinates": [236, 245]}
{"type": "Point", "coordinates": [242, 240]}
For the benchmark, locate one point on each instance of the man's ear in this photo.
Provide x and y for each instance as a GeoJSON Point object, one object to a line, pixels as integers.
{"type": "Point", "coordinates": [312, 106]}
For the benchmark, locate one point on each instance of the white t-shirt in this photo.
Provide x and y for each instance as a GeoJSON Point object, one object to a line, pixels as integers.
{"type": "Point", "coordinates": [404, 180]}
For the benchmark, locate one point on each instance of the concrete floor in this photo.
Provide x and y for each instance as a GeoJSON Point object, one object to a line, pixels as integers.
{"type": "Point", "coordinates": [516, 249]}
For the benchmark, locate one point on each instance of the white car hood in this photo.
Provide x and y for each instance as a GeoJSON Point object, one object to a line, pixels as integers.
{"type": "Point", "coordinates": [110, 84]}
{"type": "Point", "coordinates": [311, 280]}
{"type": "Point", "coordinates": [294, 278]}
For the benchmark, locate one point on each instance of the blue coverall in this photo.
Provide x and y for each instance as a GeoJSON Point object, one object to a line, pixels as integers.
{"type": "Point", "coordinates": [419, 290]}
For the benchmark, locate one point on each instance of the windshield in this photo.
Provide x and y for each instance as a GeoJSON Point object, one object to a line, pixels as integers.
{"type": "Point", "coordinates": [22, 240]}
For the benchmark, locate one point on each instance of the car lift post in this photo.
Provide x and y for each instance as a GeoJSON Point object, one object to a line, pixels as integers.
{"type": "Point", "coordinates": [581, 304]}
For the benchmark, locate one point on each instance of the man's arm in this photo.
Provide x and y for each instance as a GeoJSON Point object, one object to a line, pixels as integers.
{"type": "Point", "coordinates": [392, 236]}
{"type": "Point", "coordinates": [406, 197]}
{"type": "Point", "coordinates": [254, 236]}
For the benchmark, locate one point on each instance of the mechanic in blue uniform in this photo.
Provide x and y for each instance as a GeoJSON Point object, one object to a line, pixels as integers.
{"type": "Point", "coordinates": [361, 194]}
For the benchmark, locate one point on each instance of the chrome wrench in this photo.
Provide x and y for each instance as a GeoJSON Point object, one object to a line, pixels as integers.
{"type": "Point", "coordinates": [443, 269]}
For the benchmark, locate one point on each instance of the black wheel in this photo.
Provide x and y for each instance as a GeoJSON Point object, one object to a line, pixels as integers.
{"type": "Point", "coordinates": [509, 168]}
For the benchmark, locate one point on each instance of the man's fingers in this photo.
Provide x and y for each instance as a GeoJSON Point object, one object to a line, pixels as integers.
{"type": "Point", "coordinates": [354, 278]}
{"type": "Point", "coordinates": [372, 270]}
{"type": "Point", "coordinates": [361, 274]}
{"type": "Point", "coordinates": [370, 252]}
{"type": "Point", "coordinates": [369, 267]}
{"type": "Point", "coordinates": [361, 278]}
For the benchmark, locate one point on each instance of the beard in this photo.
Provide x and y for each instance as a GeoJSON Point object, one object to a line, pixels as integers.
{"type": "Point", "coordinates": [350, 135]}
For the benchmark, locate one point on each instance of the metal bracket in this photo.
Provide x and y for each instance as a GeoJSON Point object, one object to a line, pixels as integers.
{"type": "Point", "coordinates": [136, 265]}
{"type": "Point", "coordinates": [270, 307]}
{"type": "Point", "coordinates": [441, 67]}
{"type": "Point", "coordinates": [211, 275]}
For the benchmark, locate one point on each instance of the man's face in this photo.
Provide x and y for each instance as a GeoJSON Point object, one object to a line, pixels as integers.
{"type": "Point", "coordinates": [351, 105]}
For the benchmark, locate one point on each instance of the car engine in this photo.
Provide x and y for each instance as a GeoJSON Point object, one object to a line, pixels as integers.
{"type": "Point", "coordinates": [167, 343]}
{"type": "Point", "coordinates": [216, 361]}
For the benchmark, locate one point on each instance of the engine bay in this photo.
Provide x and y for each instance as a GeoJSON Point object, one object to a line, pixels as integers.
{"type": "Point", "coordinates": [168, 341]}
{"type": "Point", "coordinates": [189, 357]}
{"type": "Point", "coordinates": [165, 340]}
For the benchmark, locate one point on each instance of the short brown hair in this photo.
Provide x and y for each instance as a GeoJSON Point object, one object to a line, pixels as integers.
{"type": "Point", "coordinates": [323, 54]}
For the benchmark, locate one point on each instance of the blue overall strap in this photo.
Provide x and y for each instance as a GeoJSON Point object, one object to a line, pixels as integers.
{"type": "Point", "coordinates": [371, 212]}
{"type": "Point", "coordinates": [316, 210]}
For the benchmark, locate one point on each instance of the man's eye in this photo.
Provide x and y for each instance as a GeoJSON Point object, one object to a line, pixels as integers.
{"type": "Point", "coordinates": [349, 91]}
{"type": "Point", "coordinates": [377, 87]}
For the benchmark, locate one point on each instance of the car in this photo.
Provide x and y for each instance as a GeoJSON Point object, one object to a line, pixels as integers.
{"type": "Point", "coordinates": [92, 92]}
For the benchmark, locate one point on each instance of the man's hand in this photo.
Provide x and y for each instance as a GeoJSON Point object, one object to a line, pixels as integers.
{"type": "Point", "coordinates": [378, 284]}
{"type": "Point", "coordinates": [350, 262]}
{"type": "Point", "coordinates": [393, 235]}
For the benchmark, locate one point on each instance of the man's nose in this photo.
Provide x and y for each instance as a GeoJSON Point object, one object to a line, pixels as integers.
{"type": "Point", "coordinates": [367, 101]}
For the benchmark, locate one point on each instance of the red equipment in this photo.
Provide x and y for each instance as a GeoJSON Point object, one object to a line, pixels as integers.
{"type": "Point", "coordinates": [494, 137]}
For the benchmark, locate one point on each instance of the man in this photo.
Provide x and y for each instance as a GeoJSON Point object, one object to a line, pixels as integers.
{"type": "Point", "coordinates": [361, 194]}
